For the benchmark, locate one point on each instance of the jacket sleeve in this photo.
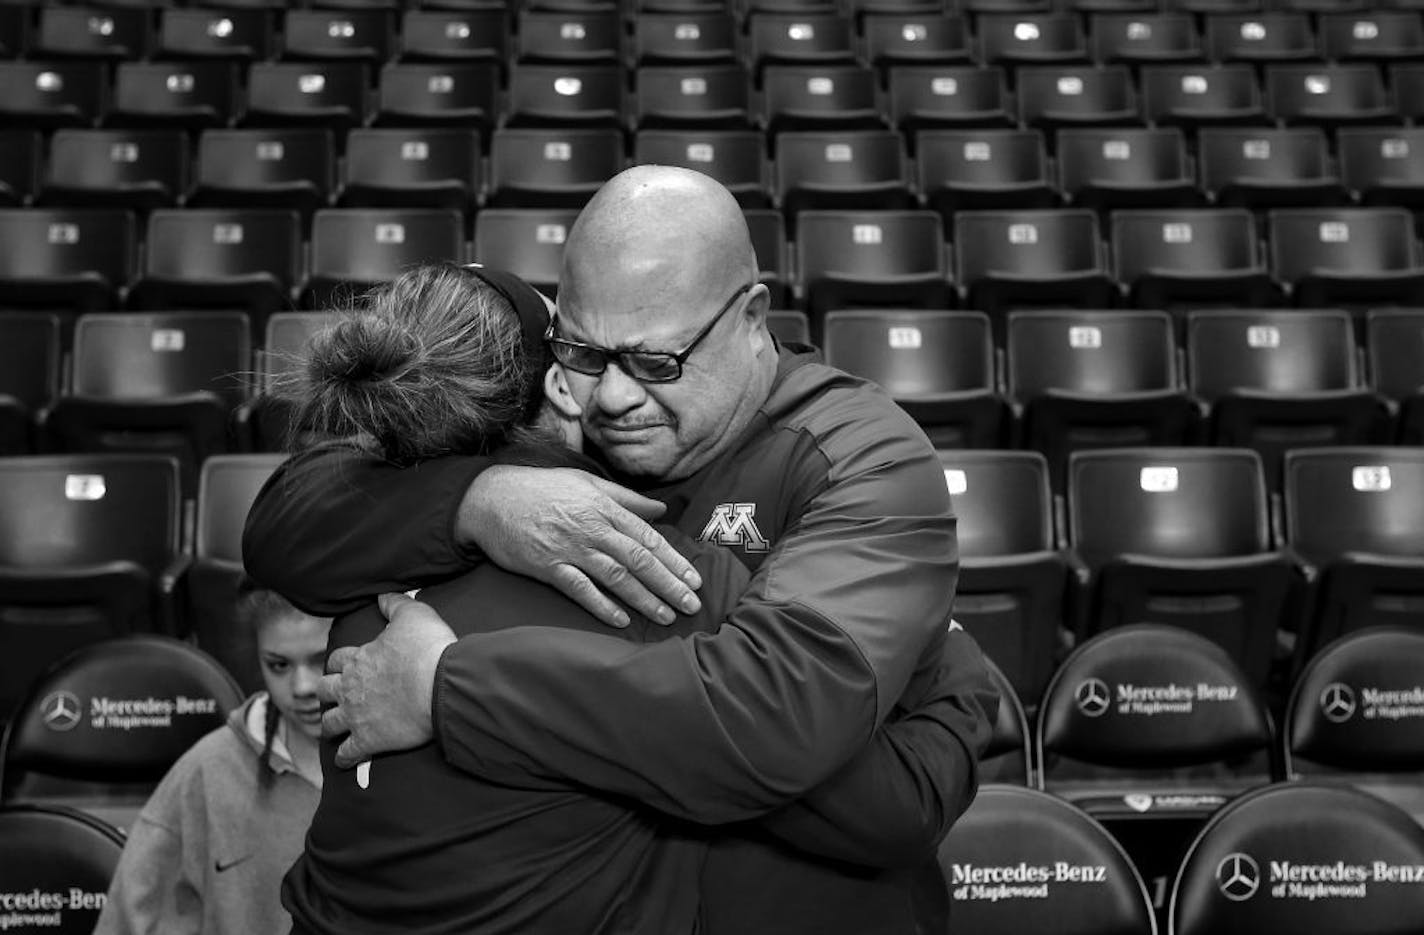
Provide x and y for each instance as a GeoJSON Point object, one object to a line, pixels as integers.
{"type": "Point", "coordinates": [728, 725]}
{"type": "Point", "coordinates": [153, 892]}
{"type": "Point", "coordinates": [334, 527]}
{"type": "Point", "coordinates": [897, 799]}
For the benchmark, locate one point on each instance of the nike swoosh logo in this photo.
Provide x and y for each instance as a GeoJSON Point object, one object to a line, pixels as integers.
{"type": "Point", "coordinates": [222, 867]}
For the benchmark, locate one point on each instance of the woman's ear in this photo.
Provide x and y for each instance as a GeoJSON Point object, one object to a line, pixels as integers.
{"type": "Point", "coordinates": [557, 392]}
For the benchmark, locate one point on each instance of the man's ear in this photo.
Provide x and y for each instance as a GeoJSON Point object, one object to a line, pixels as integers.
{"type": "Point", "coordinates": [756, 311]}
{"type": "Point", "coordinates": [557, 392]}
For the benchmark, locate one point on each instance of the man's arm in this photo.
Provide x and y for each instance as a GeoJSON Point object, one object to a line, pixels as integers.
{"type": "Point", "coordinates": [335, 526]}
{"type": "Point", "coordinates": [894, 803]}
{"type": "Point", "coordinates": [726, 726]}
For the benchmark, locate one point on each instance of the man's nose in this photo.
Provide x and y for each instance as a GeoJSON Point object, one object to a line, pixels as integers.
{"type": "Point", "coordinates": [617, 392]}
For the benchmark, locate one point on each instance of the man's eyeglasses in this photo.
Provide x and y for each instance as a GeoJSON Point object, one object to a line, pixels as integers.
{"type": "Point", "coordinates": [644, 366]}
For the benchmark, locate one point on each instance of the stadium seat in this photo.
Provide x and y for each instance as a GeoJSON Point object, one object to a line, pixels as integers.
{"type": "Point", "coordinates": [690, 38]}
{"type": "Point", "coordinates": [266, 418]}
{"type": "Point", "coordinates": [982, 170]}
{"type": "Point", "coordinates": [105, 576]}
{"type": "Point", "coordinates": [46, 95]}
{"type": "Point", "coordinates": [265, 168]}
{"type": "Point", "coordinates": [938, 366]}
{"type": "Point", "coordinates": [1190, 256]}
{"type": "Point", "coordinates": [575, 37]}
{"type": "Point", "coordinates": [477, 32]}
{"type": "Point", "coordinates": [733, 157]}
{"type": "Point", "coordinates": [1383, 165]}
{"type": "Point", "coordinates": [133, 169]}
{"type": "Point", "coordinates": [1019, 860]}
{"type": "Point", "coordinates": [527, 242]}
{"type": "Point", "coordinates": [1010, 258]}
{"type": "Point", "coordinates": [112, 33]}
{"type": "Point", "coordinates": [324, 95]}
{"type": "Point", "coordinates": [788, 325]}
{"type": "Point", "coordinates": [948, 96]}
{"type": "Point", "coordinates": [1378, 35]}
{"type": "Point", "coordinates": [1353, 716]}
{"type": "Point", "coordinates": [1261, 37]}
{"type": "Point", "coordinates": [14, 31]}
{"type": "Point", "coordinates": [1152, 722]}
{"type": "Point", "coordinates": [1012, 578]}
{"type": "Point", "coordinates": [1276, 380]}
{"type": "Point", "coordinates": [915, 38]}
{"type": "Point", "coordinates": [226, 490]}
{"type": "Point", "coordinates": [1008, 758]}
{"type": "Point", "coordinates": [840, 171]}
{"type": "Point", "coordinates": [801, 38]}
{"type": "Point", "coordinates": [1351, 516]}
{"type": "Point", "coordinates": [188, 96]}
{"type": "Point", "coordinates": [704, 96]}
{"type": "Point", "coordinates": [1145, 39]}
{"type": "Point", "coordinates": [1125, 168]}
{"type": "Point", "coordinates": [221, 258]}
{"type": "Point", "coordinates": [1072, 96]}
{"type": "Point", "coordinates": [227, 33]}
{"type": "Point", "coordinates": [337, 35]}
{"type": "Point", "coordinates": [1397, 368]}
{"type": "Point", "coordinates": [1408, 82]}
{"type": "Point", "coordinates": [1179, 536]}
{"type": "Point", "coordinates": [1094, 379]}
{"type": "Point", "coordinates": [461, 95]}
{"type": "Point", "coordinates": [565, 96]}
{"type": "Point", "coordinates": [551, 168]}
{"type": "Point", "coordinates": [880, 258]}
{"type": "Point", "coordinates": [29, 375]}
{"type": "Point", "coordinates": [831, 97]}
{"type": "Point", "coordinates": [129, 708]}
{"type": "Point", "coordinates": [1202, 95]}
{"type": "Point", "coordinates": [1348, 256]}
{"type": "Point", "coordinates": [1031, 39]}
{"type": "Point", "coordinates": [354, 249]}
{"type": "Point", "coordinates": [1327, 96]}
{"type": "Point", "coordinates": [73, 259]}
{"type": "Point", "coordinates": [768, 232]}
{"type": "Point", "coordinates": [412, 168]}
{"type": "Point", "coordinates": [1261, 168]}
{"type": "Point", "coordinates": [1302, 857]}
{"type": "Point", "coordinates": [53, 849]}
{"type": "Point", "coordinates": [20, 161]}
{"type": "Point", "coordinates": [158, 383]}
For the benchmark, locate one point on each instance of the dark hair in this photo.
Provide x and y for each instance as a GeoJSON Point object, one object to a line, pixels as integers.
{"type": "Point", "coordinates": [255, 606]}
{"type": "Point", "coordinates": [431, 363]}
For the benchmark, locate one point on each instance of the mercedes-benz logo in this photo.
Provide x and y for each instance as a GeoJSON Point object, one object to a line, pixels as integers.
{"type": "Point", "coordinates": [1337, 702]}
{"type": "Point", "coordinates": [1238, 877]}
{"type": "Point", "coordinates": [1093, 697]}
{"type": "Point", "coordinates": [60, 710]}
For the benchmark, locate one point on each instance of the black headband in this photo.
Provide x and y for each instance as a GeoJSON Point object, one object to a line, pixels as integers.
{"type": "Point", "coordinates": [527, 303]}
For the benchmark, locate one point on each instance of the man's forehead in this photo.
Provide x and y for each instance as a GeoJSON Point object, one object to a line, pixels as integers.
{"type": "Point", "coordinates": [626, 327]}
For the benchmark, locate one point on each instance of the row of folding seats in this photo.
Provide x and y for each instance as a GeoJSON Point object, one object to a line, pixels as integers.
{"type": "Point", "coordinates": [254, 260]}
{"type": "Point", "coordinates": [720, 95]}
{"type": "Point", "coordinates": [953, 170]}
{"type": "Point", "coordinates": [811, 35]}
{"type": "Point", "coordinates": [1069, 380]}
{"type": "Point", "coordinates": [1020, 859]}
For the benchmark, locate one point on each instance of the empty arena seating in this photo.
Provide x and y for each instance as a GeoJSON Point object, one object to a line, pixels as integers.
{"type": "Point", "coordinates": [1302, 857]}
{"type": "Point", "coordinates": [99, 729]}
{"type": "Point", "coordinates": [62, 853]}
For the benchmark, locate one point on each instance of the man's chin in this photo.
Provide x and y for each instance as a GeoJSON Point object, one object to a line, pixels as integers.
{"type": "Point", "coordinates": [636, 460]}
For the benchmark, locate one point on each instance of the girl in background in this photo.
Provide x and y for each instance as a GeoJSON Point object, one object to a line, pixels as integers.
{"type": "Point", "coordinates": [208, 851]}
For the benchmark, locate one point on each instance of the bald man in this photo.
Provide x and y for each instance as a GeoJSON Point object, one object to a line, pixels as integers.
{"type": "Point", "coordinates": [815, 480]}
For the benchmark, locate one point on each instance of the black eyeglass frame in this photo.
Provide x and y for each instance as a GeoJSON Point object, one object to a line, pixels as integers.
{"type": "Point", "coordinates": [624, 357]}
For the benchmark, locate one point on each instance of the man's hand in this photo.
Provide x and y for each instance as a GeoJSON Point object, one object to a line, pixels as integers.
{"type": "Point", "coordinates": [382, 690]}
{"type": "Point", "coordinates": [578, 533]}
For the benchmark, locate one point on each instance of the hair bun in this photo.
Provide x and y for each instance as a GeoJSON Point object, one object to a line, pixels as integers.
{"type": "Point", "coordinates": [363, 349]}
